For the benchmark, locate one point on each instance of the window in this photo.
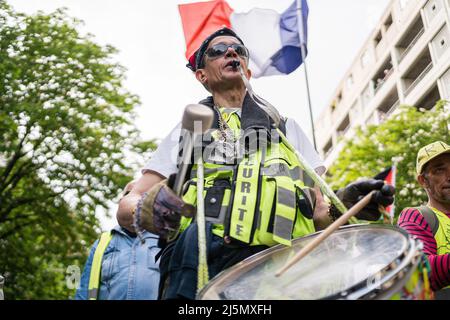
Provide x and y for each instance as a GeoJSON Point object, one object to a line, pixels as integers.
{"type": "Point", "coordinates": [388, 23]}
{"type": "Point", "coordinates": [339, 98]}
{"type": "Point", "coordinates": [328, 147]}
{"type": "Point", "coordinates": [333, 106]}
{"type": "Point", "coordinates": [378, 38]}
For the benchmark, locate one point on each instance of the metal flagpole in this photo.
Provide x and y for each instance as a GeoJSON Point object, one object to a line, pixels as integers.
{"type": "Point", "coordinates": [303, 51]}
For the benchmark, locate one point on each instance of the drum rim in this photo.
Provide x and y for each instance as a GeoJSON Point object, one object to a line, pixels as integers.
{"type": "Point", "coordinates": [395, 272]}
{"type": "Point", "coordinates": [352, 289]}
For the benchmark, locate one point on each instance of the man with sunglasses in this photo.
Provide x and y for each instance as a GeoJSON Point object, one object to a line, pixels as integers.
{"type": "Point", "coordinates": [256, 193]}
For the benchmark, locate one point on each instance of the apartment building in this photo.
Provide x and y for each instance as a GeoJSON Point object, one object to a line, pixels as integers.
{"type": "Point", "coordinates": [406, 60]}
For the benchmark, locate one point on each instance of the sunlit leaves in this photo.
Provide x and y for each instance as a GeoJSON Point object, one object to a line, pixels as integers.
{"type": "Point", "coordinates": [66, 135]}
{"type": "Point", "coordinates": [396, 140]}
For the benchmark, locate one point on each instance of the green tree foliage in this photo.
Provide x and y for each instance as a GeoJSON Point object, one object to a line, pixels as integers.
{"type": "Point", "coordinates": [397, 139]}
{"type": "Point", "coordinates": [66, 132]}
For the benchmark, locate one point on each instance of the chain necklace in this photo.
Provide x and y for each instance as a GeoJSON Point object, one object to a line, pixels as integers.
{"type": "Point", "coordinates": [226, 146]}
{"type": "Point", "coordinates": [225, 131]}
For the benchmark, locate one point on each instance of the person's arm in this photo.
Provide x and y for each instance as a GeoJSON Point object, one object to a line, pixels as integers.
{"type": "Point", "coordinates": [297, 137]}
{"type": "Point", "coordinates": [128, 203]}
{"type": "Point", "coordinates": [415, 224]}
{"type": "Point", "coordinates": [301, 143]}
{"type": "Point", "coordinates": [321, 211]}
{"type": "Point", "coordinates": [162, 164]}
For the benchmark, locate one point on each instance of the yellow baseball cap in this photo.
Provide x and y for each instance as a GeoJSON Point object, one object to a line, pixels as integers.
{"type": "Point", "coordinates": [429, 152]}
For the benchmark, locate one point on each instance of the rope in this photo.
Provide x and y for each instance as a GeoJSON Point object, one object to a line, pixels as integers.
{"type": "Point", "coordinates": [202, 275]}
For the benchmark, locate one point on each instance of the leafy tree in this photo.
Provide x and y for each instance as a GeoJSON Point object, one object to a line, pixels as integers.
{"type": "Point", "coordinates": [398, 139]}
{"type": "Point", "coordinates": [66, 133]}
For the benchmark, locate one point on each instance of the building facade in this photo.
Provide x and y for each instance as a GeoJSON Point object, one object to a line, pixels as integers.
{"type": "Point", "coordinates": [406, 60]}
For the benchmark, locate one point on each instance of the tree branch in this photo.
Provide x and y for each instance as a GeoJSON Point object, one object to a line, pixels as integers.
{"type": "Point", "coordinates": [18, 217]}
{"type": "Point", "coordinates": [17, 155]}
{"type": "Point", "coordinates": [15, 178]}
{"type": "Point", "coordinates": [15, 229]}
{"type": "Point", "coordinates": [23, 201]}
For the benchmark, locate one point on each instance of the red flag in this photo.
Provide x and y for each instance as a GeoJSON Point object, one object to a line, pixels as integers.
{"type": "Point", "coordinates": [200, 19]}
{"type": "Point", "coordinates": [389, 177]}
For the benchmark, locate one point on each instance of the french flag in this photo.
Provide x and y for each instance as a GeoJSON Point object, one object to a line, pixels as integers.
{"type": "Point", "coordinates": [273, 39]}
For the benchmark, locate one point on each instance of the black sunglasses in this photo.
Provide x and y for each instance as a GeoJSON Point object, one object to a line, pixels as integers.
{"type": "Point", "coordinates": [220, 49]}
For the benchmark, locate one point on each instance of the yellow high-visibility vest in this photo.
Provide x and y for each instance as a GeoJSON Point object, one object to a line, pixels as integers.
{"type": "Point", "coordinates": [260, 203]}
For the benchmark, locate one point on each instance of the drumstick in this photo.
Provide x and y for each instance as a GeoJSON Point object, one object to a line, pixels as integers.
{"type": "Point", "coordinates": [326, 233]}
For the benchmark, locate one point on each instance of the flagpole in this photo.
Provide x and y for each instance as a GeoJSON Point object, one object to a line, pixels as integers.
{"type": "Point", "coordinates": [303, 52]}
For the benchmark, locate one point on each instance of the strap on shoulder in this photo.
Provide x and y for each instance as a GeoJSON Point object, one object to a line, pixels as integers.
{"type": "Point", "coordinates": [94, 277]}
{"type": "Point", "coordinates": [430, 217]}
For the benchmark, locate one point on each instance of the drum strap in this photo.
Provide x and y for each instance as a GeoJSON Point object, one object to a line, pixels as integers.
{"type": "Point", "coordinates": [430, 217]}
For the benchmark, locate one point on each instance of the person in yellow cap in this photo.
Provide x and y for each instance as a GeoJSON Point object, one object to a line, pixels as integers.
{"type": "Point", "coordinates": [431, 223]}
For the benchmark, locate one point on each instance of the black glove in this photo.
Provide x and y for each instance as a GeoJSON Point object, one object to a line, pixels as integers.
{"type": "Point", "coordinates": [161, 210]}
{"type": "Point", "coordinates": [355, 191]}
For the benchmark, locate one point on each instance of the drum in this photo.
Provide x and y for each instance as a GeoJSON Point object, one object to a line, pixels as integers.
{"type": "Point", "coordinates": [355, 262]}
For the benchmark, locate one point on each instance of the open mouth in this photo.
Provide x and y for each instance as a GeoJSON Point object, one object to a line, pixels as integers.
{"type": "Point", "coordinates": [232, 64]}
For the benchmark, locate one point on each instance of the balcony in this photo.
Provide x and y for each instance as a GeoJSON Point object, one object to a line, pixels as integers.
{"type": "Point", "coordinates": [344, 126]}
{"type": "Point", "coordinates": [410, 38]}
{"type": "Point", "coordinates": [418, 70]}
{"type": "Point", "coordinates": [430, 99]}
{"type": "Point", "coordinates": [382, 78]}
{"type": "Point", "coordinates": [388, 105]}
{"type": "Point", "coordinates": [411, 45]}
{"type": "Point", "coordinates": [328, 148]}
{"type": "Point", "coordinates": [419, 78]}
{"type": "Point", "coordinates": [392, 109]}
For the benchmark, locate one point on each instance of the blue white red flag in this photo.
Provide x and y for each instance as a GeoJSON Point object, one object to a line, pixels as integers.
{"type": "Point", "coordinates": [273, 39]}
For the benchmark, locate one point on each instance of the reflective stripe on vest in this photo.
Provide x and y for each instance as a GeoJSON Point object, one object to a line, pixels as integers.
{"type": "Point", "coordinates": [244, 204]}
{"type": "Point", "coordinates": [285, 210]}
{"type": "Point", "coordinates": [94, 278]}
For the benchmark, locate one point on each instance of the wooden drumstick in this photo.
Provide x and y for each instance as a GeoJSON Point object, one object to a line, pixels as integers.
{"type": "Point", "coordinates": [326, 233]}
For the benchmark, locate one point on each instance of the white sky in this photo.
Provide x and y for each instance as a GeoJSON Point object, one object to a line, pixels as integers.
{"type": "Point", "coordinates": [149, 37]}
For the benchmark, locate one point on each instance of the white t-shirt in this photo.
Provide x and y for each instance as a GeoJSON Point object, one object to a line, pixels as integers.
{"type": "Point", "coordinates": [164, 159]}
